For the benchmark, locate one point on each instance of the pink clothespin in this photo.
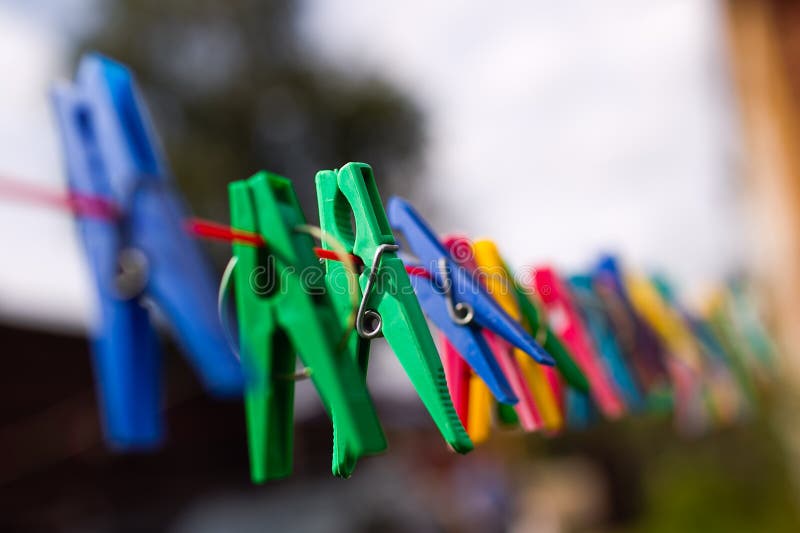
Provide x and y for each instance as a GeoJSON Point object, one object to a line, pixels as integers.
{"type": "Point", "coordinates": [567, 324]}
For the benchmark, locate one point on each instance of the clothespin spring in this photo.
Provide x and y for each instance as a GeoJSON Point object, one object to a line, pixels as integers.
{"type": "Point", "coordinates": [461, 313]}
{"type": "Point", "coordinates": [132, 273]}
{"type": "Point", "coordinates": [224, 290]}
{"type": "Point", "coordinates": [368, 322]}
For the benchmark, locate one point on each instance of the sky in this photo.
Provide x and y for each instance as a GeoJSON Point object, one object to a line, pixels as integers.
{"type": "Point", "coordinates": [560, 129]}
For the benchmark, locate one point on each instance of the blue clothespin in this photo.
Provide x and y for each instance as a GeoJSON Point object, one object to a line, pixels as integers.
{"type": "Point", "coordinates": [465, 308]}
{"type": "Point", "coordinates": [142, 255]}
{"type": "Point", "coordinates": [581, 411]}
{"type": "Point", "coordinates": [599, 326]}
{"type": "Point", "coordinates": [639, 342]}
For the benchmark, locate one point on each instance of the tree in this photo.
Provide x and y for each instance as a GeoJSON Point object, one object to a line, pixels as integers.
{"type": "Point", "coordinates": [233, 91]}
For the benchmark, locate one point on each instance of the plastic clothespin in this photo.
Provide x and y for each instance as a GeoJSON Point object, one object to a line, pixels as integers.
{"type": "Point", "coordinates": [545, 389]}
{"type": "Point", "coordinates": [535, 320]}
{"type": "Point", "coordinates": [284, 309]}
{"type": "Point", "coordinates": [717, 309]}
{"type": "Point", "coordinates": [478, 396]}
{"type": "Point", "coordinates": [726, 399]}
{"type": "Point", "coordinates": [142, 255]}
{"type": "Point", "coordinates": [465, 387]}
{"type": "Point", "coordinates": [471, 391]}
{"type": "Point", "coordinates": [458, 374]}
{"type": "Point", "coordinates": [580, 410]}
{"type": "Point", "coordinates": [667, 324]}
{"type": "Point", "coordinates": [690, 395]}
{"type": "Point", "coordinates": [458, 304]}
{"type": "Point", "coordinates": [455, 302]}
{"type": "Point", "coordinates": [467, 293]}
{"type": "Point", "coordinates": [599, 327]}
{"type": "Point", "coordinates": [744, 310]}
{"type": "Point", "coordinates": [636, 339]}
{"type": "Point", "coordinates": [567, 323]}
{"type": "Point", "coordinates": [388, 306]}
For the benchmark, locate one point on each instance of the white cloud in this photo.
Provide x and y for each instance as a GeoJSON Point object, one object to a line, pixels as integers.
{"type": "Point", "coordinates": [562, 128]}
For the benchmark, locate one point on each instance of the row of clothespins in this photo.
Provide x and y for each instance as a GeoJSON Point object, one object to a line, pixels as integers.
{"type": "Point", "coordinates": [543, 353]}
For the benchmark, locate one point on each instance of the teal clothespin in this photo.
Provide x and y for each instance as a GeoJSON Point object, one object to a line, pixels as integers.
{"type": "Point", "coordinates": [284, 310]}
{"type": "Point", "coordinates": [389, 306]}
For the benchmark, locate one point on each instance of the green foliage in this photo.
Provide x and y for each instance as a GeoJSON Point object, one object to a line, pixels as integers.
{"type": "Point", "coordinates": [233, 90]}
{"type": "Point", "coordinates": [735, 479]}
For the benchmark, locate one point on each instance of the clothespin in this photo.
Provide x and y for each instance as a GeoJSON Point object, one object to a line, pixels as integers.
{"type": "Point", "coordinates": [472, 397]}
{"type": "Point", "coordinates": [459, 305]}
{"type": "Point", "coordinates": [580, 410]}
{"type": "Point", "coordinates": [718, 311]}
{"type": "Point", "coordinates": [543, 387]}
{"type": "Point", "coordinates": [567, 323]}
{"type": "Point", "coordinates": [284, 309]}
{"type": "Point", "coordinates": [684, 361]}
{"type": "Point", "coordinates": [478, 397]}
{"type": "Point", "coordinates": [726, 398]}
{"type": "Point", "coordinates": [140, 253]}
{"type": "Point", "coordinates": [456, 303]}
{"type": "Point", "coordinates": [744, 311]}
{"type": "Point", "coordinates": [458, 375]}
{"type": "Point", "coordinates": [388, 305]}
{"type": "Point", "coordinates": [574, 400]}
{"type": "Point", "coordinates": [636, 339]}
{"type": "Point", "coordinates": [534, 318]}
{"type": "Point", "coordinates": [666, 323]}
{"type": "Point", "coordinates": [599, 327]}
{"type": "Point", "coordinates": [466, 290]}
{"type": "Point", "coordinates": [465, 386]}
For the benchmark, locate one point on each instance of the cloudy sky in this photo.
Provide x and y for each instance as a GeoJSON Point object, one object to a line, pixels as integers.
{"type": "Point", "coordinates": [558, 128]}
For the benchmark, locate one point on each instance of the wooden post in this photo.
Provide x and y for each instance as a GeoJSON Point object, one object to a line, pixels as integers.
{"type": "Point", "coordinates": [759, 32]}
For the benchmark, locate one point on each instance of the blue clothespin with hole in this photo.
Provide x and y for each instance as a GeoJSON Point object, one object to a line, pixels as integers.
{"type": "Point", "coordinates": [142, 256]}
{"type": "Point", "coordinates": [458, 305]}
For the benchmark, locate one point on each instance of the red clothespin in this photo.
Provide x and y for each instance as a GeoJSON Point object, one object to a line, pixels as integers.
{"type": "Point", "coordinates": [567, 324]}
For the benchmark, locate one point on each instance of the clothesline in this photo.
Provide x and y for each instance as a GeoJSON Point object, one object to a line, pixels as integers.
{"type": "Point", "coordinates": [83, 205]}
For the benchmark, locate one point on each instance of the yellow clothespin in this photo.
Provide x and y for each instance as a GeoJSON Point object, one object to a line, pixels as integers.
{"type": "Point", "coordinates": [488, 258]}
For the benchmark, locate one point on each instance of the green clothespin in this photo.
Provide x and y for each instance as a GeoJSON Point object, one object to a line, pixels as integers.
{"type": "Point", "coordinates": [389, 307]}
{"type": "Point", "coordinates": [284, 310]}
{"type": "Point", "coordinates": [533, 322]}
{"type": "Point", "coordinates": [506, 415]}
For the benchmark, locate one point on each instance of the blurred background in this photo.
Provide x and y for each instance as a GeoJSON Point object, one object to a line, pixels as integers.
{"type": "Point", "coordinates": [664, 131]}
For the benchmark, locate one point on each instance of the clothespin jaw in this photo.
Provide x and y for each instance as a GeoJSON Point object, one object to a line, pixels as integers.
{"type": "Point", "coordinates": [111, 153]}
{"type": "Point", "coordinates": [459, 375]}
{"type": "Point", "coordinates": [467, 290]}
{"type": "Point", "coordinates": [283, 310]}
{"type": "Point", "coordinates": [390, 299]}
